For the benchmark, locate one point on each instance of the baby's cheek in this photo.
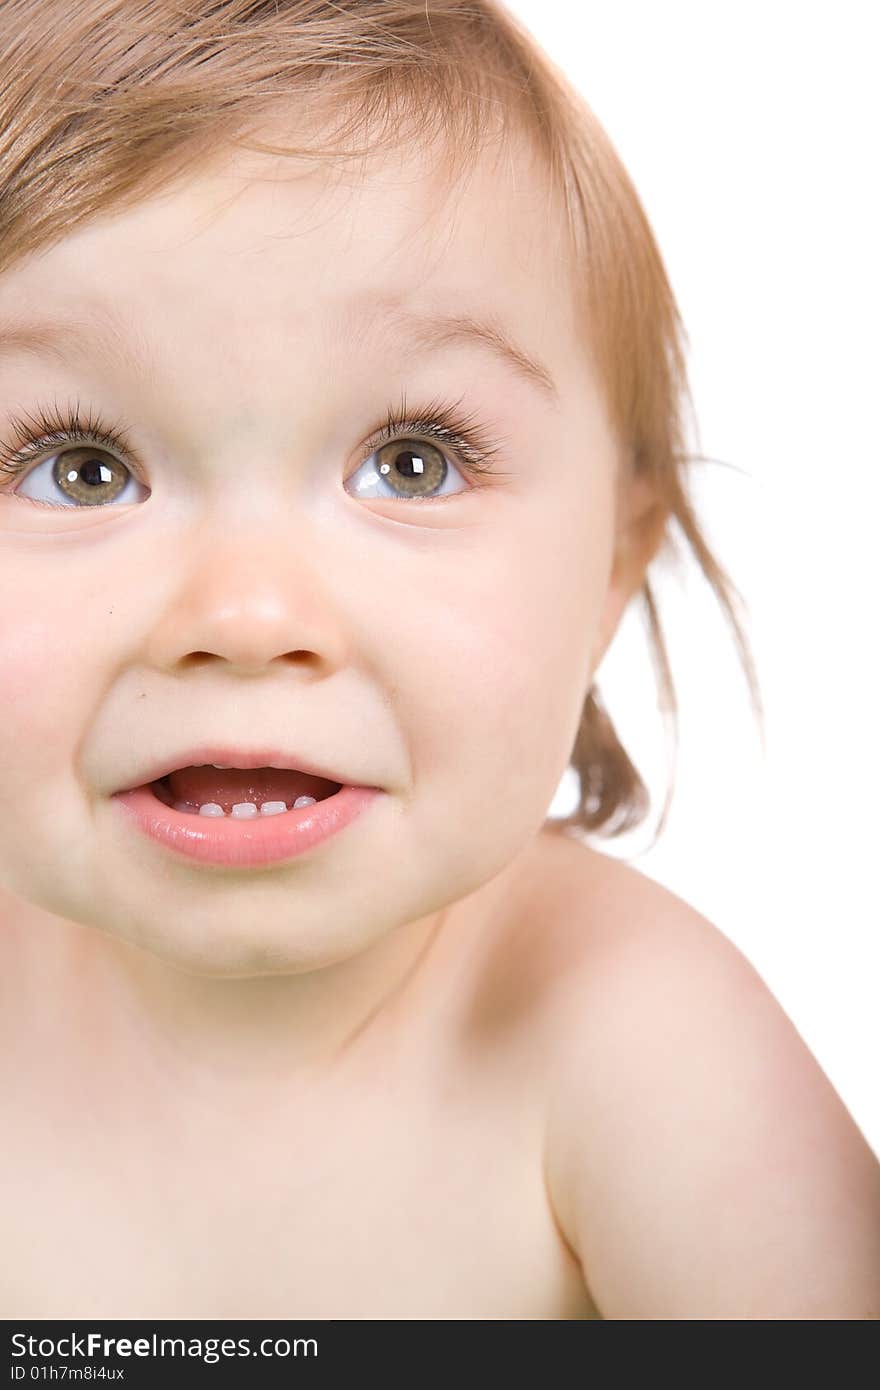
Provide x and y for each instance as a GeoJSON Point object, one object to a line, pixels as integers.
{"type": "Point", "coordinates": [44, 685]}
{"type": "Point", "coordinates": [534, 669]}
{"type": "Point", "coordinates": [33, 656]}
{"type": "Point", "coordinates": [542, 627]}
{"type": "Point", "coordinates": [41, 687]}
{"type": "Point", "coordinates": [502, 684]}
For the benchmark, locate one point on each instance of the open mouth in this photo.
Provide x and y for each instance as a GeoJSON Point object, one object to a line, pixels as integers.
{"type": "Point", "coordinates": [258, 821]}
{"type": "Point", "coordinates": [240, 793]}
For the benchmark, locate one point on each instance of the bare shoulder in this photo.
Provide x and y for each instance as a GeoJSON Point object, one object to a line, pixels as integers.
{"type": "Point", "coordinates": [697, 1158]}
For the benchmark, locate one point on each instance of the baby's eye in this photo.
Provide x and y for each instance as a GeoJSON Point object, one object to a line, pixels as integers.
{"type": "Point", "coordinates": [90, 477]}
{"type": "Point", "coordinates": [85, 475]}
{"type": "Point", "coordinates": [403, 468]}
{"type": "Point", "coordinates": [84, 470]}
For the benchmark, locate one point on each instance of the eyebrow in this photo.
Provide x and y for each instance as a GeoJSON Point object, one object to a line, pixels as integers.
{"type": "Point", "coordinates": [426, 331]}
{"type": "Point", "coordinates": [59, 336]}
{"type": "Point", "coordinates": [429, 330]}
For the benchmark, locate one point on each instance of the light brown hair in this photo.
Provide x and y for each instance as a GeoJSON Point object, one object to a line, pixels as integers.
{"type": "Point", "coordinates": [105, 102]}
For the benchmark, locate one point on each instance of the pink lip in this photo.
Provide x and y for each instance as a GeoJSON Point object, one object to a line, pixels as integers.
{"type": "Point", "coordinates": [244, 843]}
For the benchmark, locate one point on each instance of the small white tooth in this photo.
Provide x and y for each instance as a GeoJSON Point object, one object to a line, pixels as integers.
{"type": "Point", "coordinates": [305, 801]}
{"type": "Point", "coordinates": [223, 767]}
{"type": "Point", "coordinates": [211, 808]}
{"type": "Point", "coordinates": [272, 808]}
{"type": "Point", "coordinates": [245, 810]}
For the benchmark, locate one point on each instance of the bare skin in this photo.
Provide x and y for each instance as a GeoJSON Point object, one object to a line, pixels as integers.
{"type": "Point", "coordinates": [453, 1162]}
{"type": "Point", "coordinates": [360, 1190]}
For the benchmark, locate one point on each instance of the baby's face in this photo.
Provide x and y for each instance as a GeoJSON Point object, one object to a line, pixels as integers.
{"type": "Point", "coordinates": [246, 577]}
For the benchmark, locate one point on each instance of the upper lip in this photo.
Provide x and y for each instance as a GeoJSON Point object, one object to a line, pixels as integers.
{"type": "Point", "coordinates": [235, 757]}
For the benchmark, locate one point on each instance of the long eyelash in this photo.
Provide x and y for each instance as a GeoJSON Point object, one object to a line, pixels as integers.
{"type": "Point", "coordinates": [34, 434]}
{"type": "Point", "coordinates": [440, 421]}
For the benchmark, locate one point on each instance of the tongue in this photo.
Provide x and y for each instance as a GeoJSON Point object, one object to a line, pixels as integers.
{"type": "Point", "coordinates": [200, 784]}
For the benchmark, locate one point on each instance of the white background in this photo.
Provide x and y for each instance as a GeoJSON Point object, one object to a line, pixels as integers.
{"type": "Point", "coordinates": [751, 134]}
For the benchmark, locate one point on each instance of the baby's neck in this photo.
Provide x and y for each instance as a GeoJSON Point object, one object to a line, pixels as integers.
{"type": "Point", "coordinates": [81, 1002]}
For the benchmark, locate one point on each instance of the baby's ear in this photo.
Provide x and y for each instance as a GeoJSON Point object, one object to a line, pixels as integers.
{"type": "Point", "coordinates": [640, 527]}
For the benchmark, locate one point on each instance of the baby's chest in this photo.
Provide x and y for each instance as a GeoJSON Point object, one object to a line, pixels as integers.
{"type": "Point", "coordinates": [411, 1211]}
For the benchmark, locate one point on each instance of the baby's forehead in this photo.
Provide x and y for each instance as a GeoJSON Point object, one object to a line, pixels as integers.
{"type": "Point", "coordinates": [252, 238]}
{"type": "Point", "coordinates": [493, 218]}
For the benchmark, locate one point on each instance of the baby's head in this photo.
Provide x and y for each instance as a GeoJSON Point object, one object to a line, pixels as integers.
{"type": "Point", "coordinates": [380, 386]}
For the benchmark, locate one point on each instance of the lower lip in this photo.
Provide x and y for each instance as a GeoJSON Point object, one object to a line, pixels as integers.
{"type": "Point", "coordinates": [244, 843]}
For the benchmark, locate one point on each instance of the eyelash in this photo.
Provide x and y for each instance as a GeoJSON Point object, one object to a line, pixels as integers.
{"type": "Point", "coordinates": [440, 422]}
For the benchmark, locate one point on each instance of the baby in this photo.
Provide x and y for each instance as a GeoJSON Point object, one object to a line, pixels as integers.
{"type": "Point", "coordinates": [342, 330]}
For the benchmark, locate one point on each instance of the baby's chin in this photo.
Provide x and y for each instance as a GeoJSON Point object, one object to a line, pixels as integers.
{"type": "Point", "coordinates": [231, 952]}
{"type": "Point", "coordinates": [231, 960]}
{"type": "Point", "coordinates": [199, 939]}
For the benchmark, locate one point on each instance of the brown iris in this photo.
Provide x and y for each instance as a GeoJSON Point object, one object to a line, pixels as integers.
{"type": "Point", "coordinates": [85, 475]}
{"type": "Point", "coordinates": [415, 472]}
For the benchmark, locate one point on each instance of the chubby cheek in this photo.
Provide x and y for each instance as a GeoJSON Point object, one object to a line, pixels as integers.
{"type": "Point", "coordinates": [503, 668]}
{"type": "Point", "coordinates": [51, 639]}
